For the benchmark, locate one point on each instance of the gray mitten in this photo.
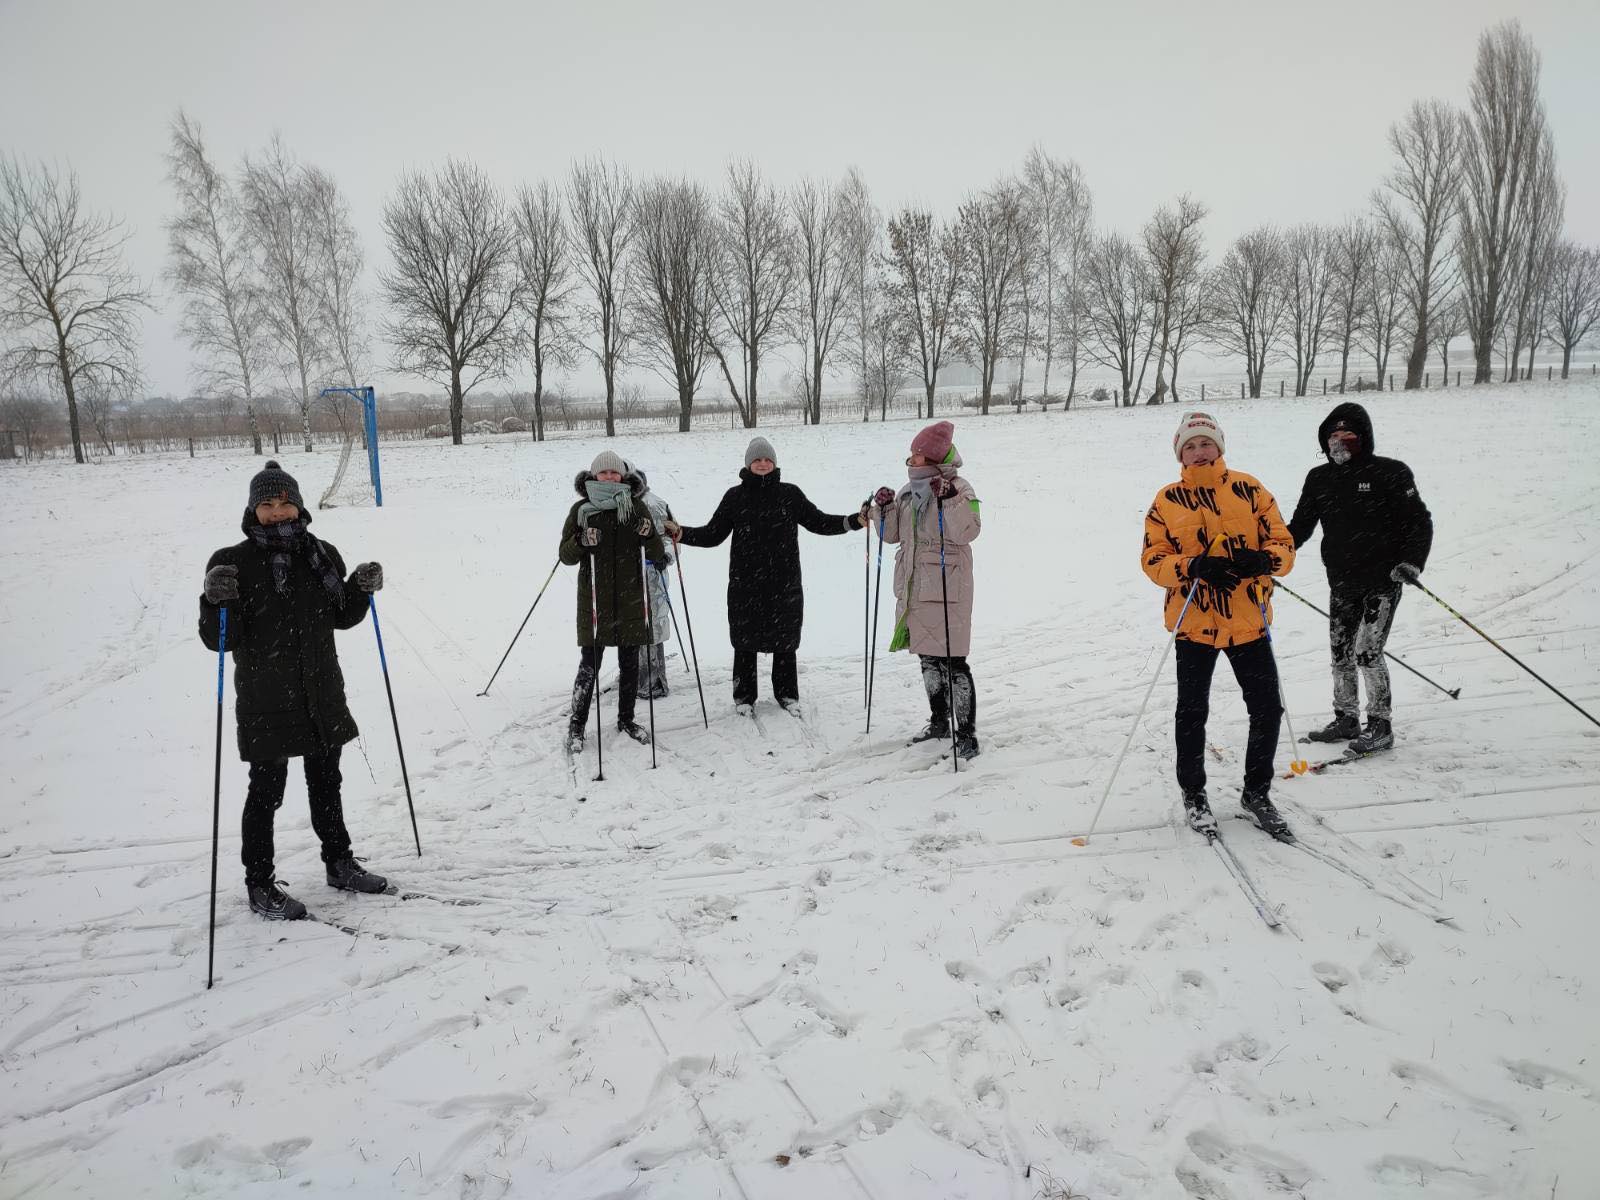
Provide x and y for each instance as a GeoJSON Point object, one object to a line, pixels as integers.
{"type": "Point", "coordinates": [222, 584]}
{"type": "Point", "coordinates": [368, 576]}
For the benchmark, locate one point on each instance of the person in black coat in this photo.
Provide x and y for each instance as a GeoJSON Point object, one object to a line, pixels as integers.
{"type": "Point", "coordinates": [766, 599]}
{"type": "Point", "coordinates": [285, 593]}
{"type": "Point", "coordinates": [1376, 534]}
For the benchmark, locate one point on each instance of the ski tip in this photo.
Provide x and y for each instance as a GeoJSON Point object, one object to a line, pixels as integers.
{"type": "Point", "coordinates": [1080, 841]}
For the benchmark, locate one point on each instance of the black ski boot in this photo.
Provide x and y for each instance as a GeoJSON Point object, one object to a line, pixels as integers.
{"type": "Point", "coordinates": [273, 903]}
{"type": "Point", "coordinates": [634, 730]}
{"type": "Point", "coordinates": [1378, 735]}
{"type": "Point", "coordinates": [348, 875]}
{"type": "Point", "coordinates": [789, 704]}
{"type": "Point", "coordinates": [936, 730]}
{"type": "Point", "coordinates": [1342, 728]}
{"type": "Point", "coordinates": [967, 746]}
{"type": "Point", "coordinates": [1259, 805]}
{"type": "Point", "coordinates": [1197, 811]}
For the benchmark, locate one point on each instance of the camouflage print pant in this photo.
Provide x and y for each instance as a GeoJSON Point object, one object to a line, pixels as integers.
{"type": "Point", "coordinates": [1358, 628]}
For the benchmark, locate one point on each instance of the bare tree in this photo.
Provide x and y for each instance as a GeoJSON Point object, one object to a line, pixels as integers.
{"type": "Point", "coordinates": [673, 263]}
{"type": "Point", "coordinates": [1502, 133]}
{"type": "Point", "coordinates": [544, 260]}
{"type": "Point", "coordinates": [336, 268]}
{"type": "Point", "coordinates": [454, 289]}
{"type": "Point", "coordinates": [755, 280]}
{"type": "Point", "coordinates": [996, 241]}
{"type": "Point", "coordinates": [1545, 202]}
{"type": "Point", "coordinates": [926, 267]}
{"type": "Point", "coordinates": [1119, 302]}
{"type": "Point", "coordinates": [1248, 300]}
{"type": "Point", "coordinates": [1063, 213]}
{"type": "Point", "coordinates": [1355, 245]}
{"type": "Point", "coordinates": [1309, 283]}
{"type": "Point", "coordinates": [1574, 297]}
{"type": "Point", "coordinates": [209, 265]}
{"type": "Point", "coordinates": [600, 198]}
{"type": "Point", "coordinates": [1418, 209]}
{"type": "Point", "coordinates": [68, 303]}
{"type": "Point", "coordinates": [888, 361]}
{"type": "Point", "coordinates": [27, 415]}
{"type": "Point", "coordinates": [1176, 258]}
{"type": "Point", "coordinates": [821, 314]}
{"type": "Point", "coordinates": [1447, 322]}
{"type": "Point", "coordinates": [1386, 304]}
{"type": "Point", "coordinates": [99, 405]}
{"type": "Point", "coordinates": [862, 250]}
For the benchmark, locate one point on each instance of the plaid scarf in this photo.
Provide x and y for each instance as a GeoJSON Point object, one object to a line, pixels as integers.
{"type": "Point", "coordinates": [292, 537]}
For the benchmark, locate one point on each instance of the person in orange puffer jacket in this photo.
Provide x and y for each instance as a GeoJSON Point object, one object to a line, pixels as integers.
{"type": "Point", "coordinates": [1213, 540]}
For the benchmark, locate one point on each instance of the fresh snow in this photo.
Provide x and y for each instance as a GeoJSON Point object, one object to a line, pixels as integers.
{"type": "Point", "coordinates": [797, 961]}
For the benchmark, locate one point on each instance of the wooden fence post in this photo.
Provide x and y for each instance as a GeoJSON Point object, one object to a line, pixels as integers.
{"type": "Point", "coordinates": [191, 447]}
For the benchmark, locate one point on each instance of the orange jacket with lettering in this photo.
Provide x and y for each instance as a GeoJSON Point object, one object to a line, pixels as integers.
{"type": "Point", "coordinates": [1183, 521]}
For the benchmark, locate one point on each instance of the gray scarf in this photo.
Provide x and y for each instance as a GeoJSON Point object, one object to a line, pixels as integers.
{"type": "Point", "coordinates": [920, 489]}
{"type": "Point", "coordinates": [606, 497]}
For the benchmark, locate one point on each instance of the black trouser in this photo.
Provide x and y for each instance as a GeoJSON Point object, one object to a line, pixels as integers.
{"type": "Point", "coordinates": [265, 797]}
{"type": "Point", "coordinates": [589, 671]}
{"type": "Point", "coordinates": [785, 676]}
{"type": "Point", "coordinates": [936, 670]}
{"type": "Point", "coordinates": [1257, 673]}
{"type": "Point", "coordinates": [1359, 621]}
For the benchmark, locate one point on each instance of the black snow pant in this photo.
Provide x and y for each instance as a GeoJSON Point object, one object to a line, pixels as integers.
{"type": "Point", "coordinates": [265, 796]}
{"type": "Point", "coordinates": [1359, 621]}
{"type": "Point", "coordinates": [785, 676]}
{"type": "Point", "coordinates": [940, 673]}
{"type": "Point", "coordinates": [589, 671]}
{"type": "Point", "coordinates": [1257, 673]}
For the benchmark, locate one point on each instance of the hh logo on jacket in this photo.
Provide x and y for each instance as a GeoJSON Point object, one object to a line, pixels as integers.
{"type": "Point", "coordinates": [1363, 487]}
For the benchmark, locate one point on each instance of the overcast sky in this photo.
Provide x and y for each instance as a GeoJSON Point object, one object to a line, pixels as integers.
{"type": "Point", "coordinates": [1267, 111]}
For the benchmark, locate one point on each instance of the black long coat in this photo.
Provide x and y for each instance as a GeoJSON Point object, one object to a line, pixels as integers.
{"type": "Point", "coordinates": [287, 686]}
{"type": "Point", "coordinates": [766, 599]}
{"type": "Point", "coordinates": [619, 589]}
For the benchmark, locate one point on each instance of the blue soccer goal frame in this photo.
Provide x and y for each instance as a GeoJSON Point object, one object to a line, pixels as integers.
{"type": "Point", "coordinates": [369, 420]}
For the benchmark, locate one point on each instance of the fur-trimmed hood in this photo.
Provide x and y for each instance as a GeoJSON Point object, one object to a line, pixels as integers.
{"type": "Point", "coordinates": [634, 480]}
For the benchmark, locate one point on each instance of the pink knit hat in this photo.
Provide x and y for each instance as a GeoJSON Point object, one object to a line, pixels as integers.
{"type": "Point", "coordinates": [1197, 424]}
{"type": "Point", "coordinates": [934, 442]}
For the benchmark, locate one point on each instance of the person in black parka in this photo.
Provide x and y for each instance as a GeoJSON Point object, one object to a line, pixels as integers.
{"type": "Point", "coordinates": [286, 592]}
{"type": "Point", "coordinates": [605, 531]}
{"type": "Point", "coordinates": [766, 600]}
{"type": "Point", "coordinates": [1376, 534]}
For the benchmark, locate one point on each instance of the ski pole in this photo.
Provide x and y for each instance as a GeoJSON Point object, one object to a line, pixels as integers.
{"type": "Point", "coordinates": [877, 591]}
{"type": "Point", "coordinates": [1298, 765]}
{"type": "Point", "coordinates": [649, 648]}
{"type": "Point", "coordinates": [666, 591]}
{"type": "Point", "coordinates": [1117, 766]}
{"type": "Point", "coordinates": [216, 796]}
{"type": "Point", "coordinates": [866, 617]}
{"type": "Point", "coordinates": [688, 621]}
{"type": "Point", "coordinates": [372, 605]}
{"type": "Point", "coordinates": [1454, 695]}
{"type": "Point", "coordinates": [594, 684]}
{"type": "Point", "coordinates": [520, 628]}
{"type": "Point", "coordinates": [1418, 584]}
{"type": "Point", "coordinates": [949, 667]}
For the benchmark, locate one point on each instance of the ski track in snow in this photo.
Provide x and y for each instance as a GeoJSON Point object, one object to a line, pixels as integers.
{"type": "Point", "coordinates": [798, 960]}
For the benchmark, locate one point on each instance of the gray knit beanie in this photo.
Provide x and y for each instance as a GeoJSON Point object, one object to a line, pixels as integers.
{"type": "Point", "coordinates": [608, 460]}
{"type": "Point", "coordinates": [272, 480]}
{"type": "Point", "coordinates": [759, 447]}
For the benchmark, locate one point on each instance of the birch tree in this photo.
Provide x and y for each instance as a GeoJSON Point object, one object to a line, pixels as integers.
{"type": "Point", "coordinates": [995, 245]}
{"type": "Point", "coordinates": [1063, 215]}
{"type": "Point", "coordinates": [600, 197]}
{"type": "Point", "coordinates": [821, 313]}
{"type": "Point", "coordinates": [862, 251]}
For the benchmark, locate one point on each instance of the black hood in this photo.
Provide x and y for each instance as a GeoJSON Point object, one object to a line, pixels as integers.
{"type": "Point", "coordinates": [634, 481]}
{"type": "Point", "coordinates": [1353, 417]}
{"type": "Point", "coordinates": [750, 479]}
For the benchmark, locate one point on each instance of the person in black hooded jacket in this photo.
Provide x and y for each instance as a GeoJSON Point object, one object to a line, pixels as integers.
{"type": "Point", "coordinates": [1376, 534]}
{"type": "Point", "coordinates": [285, 593]}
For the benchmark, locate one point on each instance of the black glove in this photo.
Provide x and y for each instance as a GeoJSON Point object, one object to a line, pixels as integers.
{"type": "Point", "coordinates": [589, 536]}
{"type": "Point", "coordinates": [1406, 573]}
{"type": "Point", "coordinates": [368, 577]}
{"type": "Point", "coordinates": [1247, 564]}
{"type": "Point", "coordinates": [222, 584]}
{"type": "Point", "coordinates": [1217, 571]}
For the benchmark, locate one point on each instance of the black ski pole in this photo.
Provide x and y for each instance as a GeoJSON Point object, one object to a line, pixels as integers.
{"type": "Point", "coordinates": [1420, 586]}
{"type": "Point", "coordinates": [1454, 695]}
{"type": "Point", "coordinates": [666, 590]}
{"type": "Point", "coordinates": [520, 628]}
{"type": "Point", "coordinates": [688, 621]}
{"type": "Point", "coordinates": [866, 617]}
{"type": "Point", "coordinates": [949, 667]}
{"type": "Point", "coordinates": [216, 796]}
{"type": "Point", "coordinates": [650, 649]}
{"type": "Point", "coordinates": [372, 605]}
{"type": "Point", "coordinates": [594, 686]}
{"type": "Point", "coordinates": [877, 592]}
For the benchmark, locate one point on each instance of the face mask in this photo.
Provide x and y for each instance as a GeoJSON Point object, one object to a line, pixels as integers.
{"type": "Point", "coordinates": [1338, 451]}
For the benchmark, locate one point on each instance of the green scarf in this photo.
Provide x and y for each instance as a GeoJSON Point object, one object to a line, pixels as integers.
{"type": "Point", "coordinates": [606, 497]}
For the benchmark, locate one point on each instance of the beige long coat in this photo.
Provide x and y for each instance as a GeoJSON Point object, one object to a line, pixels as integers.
{"type": "Point", "coordinates": [913, 525]}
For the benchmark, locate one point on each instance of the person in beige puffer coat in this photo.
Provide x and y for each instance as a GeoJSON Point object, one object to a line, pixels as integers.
{"type": "Point", "coordinates": [933, 600]}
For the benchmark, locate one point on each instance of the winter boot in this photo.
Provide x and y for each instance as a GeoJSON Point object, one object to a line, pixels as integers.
{"type": "Point", "coordinates": [634, 730]}
{"type": "Point", "coordinates": [1378, 735]}
{"type": "Point", "coordinates": [936, 730]}
{"type": "Point", "coordinates": [1197, 811]}
{"type": "Point", "coordinates": [967, 745]}
{"type": "Point", "coordinates": [789, 704]}
{"type": "Point", "coordinates": [348, 875]}
{"type": "Point", "coordinates": [574, 742]}
{"type": "Point", "coordinates": [743, 709]}
{"type": "Point", "coordinates": [1259, 805]}
{"type": "Point", "coordinates": [1342, 728]}
{"type": "Point", "coordinates": [273, 903]}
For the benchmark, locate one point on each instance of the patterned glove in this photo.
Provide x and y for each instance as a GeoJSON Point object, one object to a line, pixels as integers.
{"type": "Point", "coordinates": [942, 488]}
{"type": "Point", "coordinates": [883, 497]}
{"type": "Point", "coordinates": [222, 584]}
{"type": "Point", "coordinates": [590, 536]}
{"type": "Point", "coordinates": [1406, 573]}
{"type": "Point", "coordinates": [644, 529]}
{"type": "Point", "coordinates": [368, 577]}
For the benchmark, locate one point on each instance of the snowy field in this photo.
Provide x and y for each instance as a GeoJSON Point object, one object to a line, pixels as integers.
{"type": "Point", "coordinates": [798, 961]}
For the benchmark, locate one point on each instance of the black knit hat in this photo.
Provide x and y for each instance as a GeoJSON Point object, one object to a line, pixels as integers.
{"type": "Point", "coordinates": [272, 480]}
